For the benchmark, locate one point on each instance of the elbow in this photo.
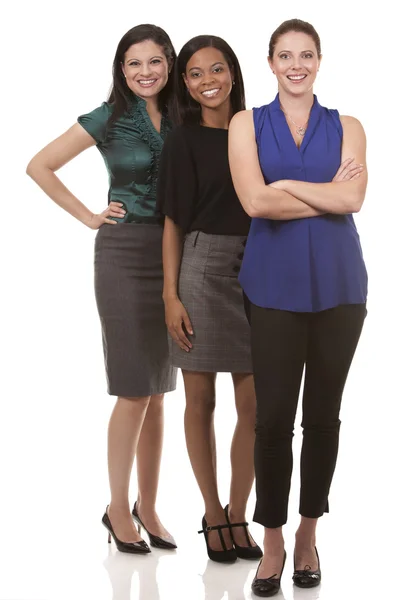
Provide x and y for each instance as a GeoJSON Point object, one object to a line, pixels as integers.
{"type": "Point", "coordinates": [352, 203]}
{"type": "Point", "coordinates": [357, 203]}
{"type": "Point", "coordinates": [252, 210]}
{"type": "Point", "coordinates": [30, 168]}
{"type": "Point", "coordinates": [255, 207]}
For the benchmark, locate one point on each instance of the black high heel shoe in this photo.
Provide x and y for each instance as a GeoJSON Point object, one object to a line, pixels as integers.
{"type": "Point", "coordinates": [269, 586]}
{"type": "Point", "coordinates": [156, 541]}
{"type": "Point", "coordinates": [224, 555]}
{"type": "Point", "coordinates": [307, 578]}
{"type": "Point", "coordinates": [130, 547]}
{"type": "Point", "coordinates": [249, 552]}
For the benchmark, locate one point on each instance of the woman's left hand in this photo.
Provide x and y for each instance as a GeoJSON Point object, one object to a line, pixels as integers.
{"type": "Point", "coordinates": [348, 170]}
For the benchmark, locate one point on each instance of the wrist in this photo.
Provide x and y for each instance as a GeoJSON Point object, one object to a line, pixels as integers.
{"type": "Point", "coordinates": [87, 218]}
{"type": "Point", "coordinates": [169, 295]}
{"type": "Point", "coordinates": [286, 185]}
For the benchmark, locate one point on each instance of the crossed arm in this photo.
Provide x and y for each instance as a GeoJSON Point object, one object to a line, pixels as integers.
{"type": "Point", "coordinates": [288, 199]}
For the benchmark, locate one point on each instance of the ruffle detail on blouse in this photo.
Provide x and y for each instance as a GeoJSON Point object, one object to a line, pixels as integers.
{"type": "Point", "coordinates": [151, 137]}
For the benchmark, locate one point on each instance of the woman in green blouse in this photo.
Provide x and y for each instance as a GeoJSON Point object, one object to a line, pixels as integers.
{"type": "Point", "coordinates": [129, 131]}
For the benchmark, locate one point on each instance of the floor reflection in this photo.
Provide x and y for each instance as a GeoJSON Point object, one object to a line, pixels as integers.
{"type": "Point", "coordinates": [129, 571]}
{"type": "Point", "coordinates": [233, 580]}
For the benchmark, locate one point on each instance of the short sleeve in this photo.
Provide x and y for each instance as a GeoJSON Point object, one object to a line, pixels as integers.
{"type": "Point", "coordinates": [95, 122]}
{"type": "Point", "coordinates": [177, 180]}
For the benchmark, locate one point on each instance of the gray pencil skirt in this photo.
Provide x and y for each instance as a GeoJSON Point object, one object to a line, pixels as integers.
{"type": "Point", "coordinates": [128, 289]}
{"type": "Point", "coordinates": [209, 289]}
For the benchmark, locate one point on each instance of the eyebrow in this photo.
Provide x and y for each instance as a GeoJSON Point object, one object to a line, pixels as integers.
{"type": "Point", "coordinates": [134, 58]}
{"type": "Point", "coordinates": [290, 52]}
{"type": "Point", "coordinates": [219, 62]}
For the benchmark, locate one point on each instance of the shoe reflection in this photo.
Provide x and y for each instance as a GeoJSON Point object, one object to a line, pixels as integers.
{"type": "Point", "coordinates": [130, 572]}
{"type": "Point", "coordinates": [307, 594]}
{"type": "Point", "coordinates": [229, 581]}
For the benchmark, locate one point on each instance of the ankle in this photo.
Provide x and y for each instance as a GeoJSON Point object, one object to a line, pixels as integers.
{"type": "Point", "coordinates": [215, 515]}
{"type": "Point", "coordinates": [273, 541]}
{"type": "Point", "coordinates": [305, 539]}
{"type": "Point", "coordinates": [236, 514]}
{"type": "Point", "coordinates": [119, 507]}
{"type": "Point", "coordinates": [146, 510]}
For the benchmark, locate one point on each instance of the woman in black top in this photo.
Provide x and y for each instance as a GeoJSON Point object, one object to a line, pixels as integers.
{"type": "Point", "coordinates": [204, 238]}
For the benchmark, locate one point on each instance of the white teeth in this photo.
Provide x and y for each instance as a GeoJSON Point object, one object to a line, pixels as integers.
{"type": "Point", "coordinates": [146, 81]}
{"type": "Point", "coordinates": [210, 93]}
{"type": "Point", "coordinates": [296, 77]}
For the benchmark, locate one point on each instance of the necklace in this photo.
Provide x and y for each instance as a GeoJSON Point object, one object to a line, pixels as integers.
{"type": "Point", "coordinates": [300, 130]}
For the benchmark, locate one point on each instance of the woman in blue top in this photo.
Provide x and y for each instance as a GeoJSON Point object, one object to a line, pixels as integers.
{"type": "Point", "coordinates": [299, 171]}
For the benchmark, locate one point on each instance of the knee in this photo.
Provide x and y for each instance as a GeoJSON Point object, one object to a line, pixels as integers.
{"type": "Point", "coordinates": [156, 403]}
{"type": "Point", "coordinates": [201, 402]}
{"type": "Point", "coordinates": [133, 403]}
{"type": "Point", "coordinates": [273, 430]}
{"type": "Point", "coordinates": [321, 427]}
{"type": "Point", "coordinates": [245, 399]}
{"type": "Point", "coordinates": [246, 408]}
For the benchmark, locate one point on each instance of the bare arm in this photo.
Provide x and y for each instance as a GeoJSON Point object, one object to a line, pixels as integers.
{"type": "Point", "coordinates": [337, 197]}
{"type": "Point", "coordinates": [175, 314]}
{"type": "Point", "coordinates": [257, 198]}
{"type": "Point", "coordinates": [42, 169]}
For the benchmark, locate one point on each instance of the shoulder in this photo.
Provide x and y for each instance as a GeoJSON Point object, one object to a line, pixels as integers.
{"type": "Point", "coordinates": [102, 112]}
{"type": "Point", "coordinates": [242, 119]}
{"type": "Point", "coordinates": [350, 123]}
{"type": "Point", "coordinates": [352, 127]}
{"type": "Point", "coordinates": [181, 135]}
{"type": "Point", "coordinates": [95, 122]}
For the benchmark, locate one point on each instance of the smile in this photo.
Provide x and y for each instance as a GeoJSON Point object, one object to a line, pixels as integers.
{"type": "Point", "coordinates": [146, 82]}
{"type": "Point", "coordinates": [211, 93]}
{"type": "Point", "coordinates": [296, 78]}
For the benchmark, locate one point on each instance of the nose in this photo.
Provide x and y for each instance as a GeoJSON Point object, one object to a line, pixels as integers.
{"type": "Point", "coordinates": [145, 70]}
{"type": "Point", "coordinates": [208, 78]}
{"type": "Point", "coordinates": [296, 64]}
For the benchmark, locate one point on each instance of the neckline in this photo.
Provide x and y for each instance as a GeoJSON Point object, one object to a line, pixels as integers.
{"type": "Point", "coordinates": [312, 121]}
{"type": "Point", "coordinates": [213, 128]}
{"type": "Point", "coordinates": [140, 105]}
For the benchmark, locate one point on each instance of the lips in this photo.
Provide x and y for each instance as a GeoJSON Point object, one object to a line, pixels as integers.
{"type": "Point", "coordinates": [296, 78]}
{"type": "Point", "coordinates": [146, 82]}
{"type": "Point", "coordinates": [211, 93]}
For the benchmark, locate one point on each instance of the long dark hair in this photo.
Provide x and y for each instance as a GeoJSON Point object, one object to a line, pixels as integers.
{"type": "Point", "coordinates": [121, 96]}
{"type": "Point", "coordinates": [183, 109]}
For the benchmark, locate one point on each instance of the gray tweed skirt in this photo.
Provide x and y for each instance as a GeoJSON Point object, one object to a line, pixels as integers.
{"type": "Point", "coordinates": [209, 289]}
{"type": "Point", "coordinates": [128, 289]}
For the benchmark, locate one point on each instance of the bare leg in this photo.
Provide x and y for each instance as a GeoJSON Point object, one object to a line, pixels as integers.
{"type": "Point", "coordinates": [272, 562]}
{"type": "Point", "coordinates": [305, 544]}
{"type": "Point", "coordinates": [123, 434]}
{"type": "Point", "coordinates": [242, 453]}
{"type": "Point", "coordinates": [148, 455]}
{"type": "Point", "coordinates": [201, 446]}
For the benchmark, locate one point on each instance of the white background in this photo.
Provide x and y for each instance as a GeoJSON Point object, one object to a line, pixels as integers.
{"type": "Point", "coordinates": [56, 64]}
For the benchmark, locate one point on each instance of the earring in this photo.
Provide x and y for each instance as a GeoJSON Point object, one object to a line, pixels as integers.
{"type": "Point", "coordinates": [233, 82]}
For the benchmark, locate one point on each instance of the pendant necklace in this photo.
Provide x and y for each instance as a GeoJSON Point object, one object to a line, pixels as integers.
{"type": "Point", "coordinates": [300, 130]}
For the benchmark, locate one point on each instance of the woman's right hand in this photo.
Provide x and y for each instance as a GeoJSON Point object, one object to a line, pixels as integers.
{"type": "Point", "coordinates": [348, 170]}
{"type": "Point", "coordinates": [176, 319]}
{"type": "Point", "coordinates": [114, 209]}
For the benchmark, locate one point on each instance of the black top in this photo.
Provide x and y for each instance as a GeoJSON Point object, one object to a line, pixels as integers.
{"type": "Point", "coordinates": [195, 187]}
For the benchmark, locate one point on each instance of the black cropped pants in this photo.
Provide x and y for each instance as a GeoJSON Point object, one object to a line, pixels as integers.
{"type": "Point", "coordinates": [283, 343]}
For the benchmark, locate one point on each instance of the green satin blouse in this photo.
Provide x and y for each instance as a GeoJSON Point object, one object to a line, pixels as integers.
{"type": "Point", "coordinates": [131, 150]}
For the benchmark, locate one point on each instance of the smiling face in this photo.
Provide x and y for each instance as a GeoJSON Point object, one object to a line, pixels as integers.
{"type": "Point", "coordinates": [208, 78]}
{"type": "Point", "coordinates": [295, 62]}
{"type": "Point", "coordinates": [146, 69]}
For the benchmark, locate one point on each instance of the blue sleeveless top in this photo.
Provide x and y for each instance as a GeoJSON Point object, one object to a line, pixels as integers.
{"type": "Point", "coordinates": [302, 265]}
